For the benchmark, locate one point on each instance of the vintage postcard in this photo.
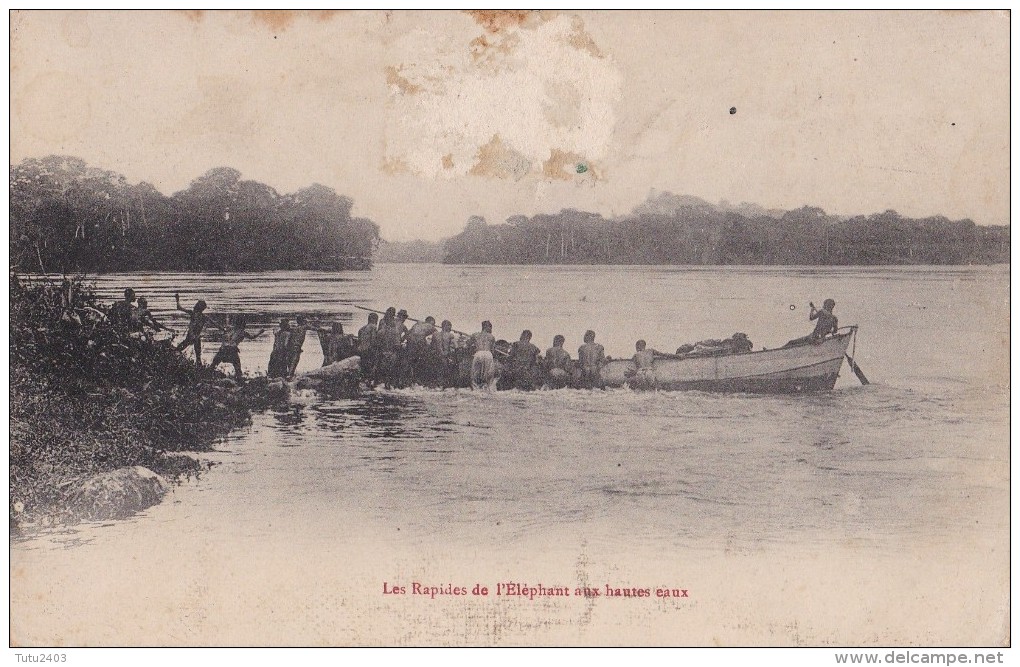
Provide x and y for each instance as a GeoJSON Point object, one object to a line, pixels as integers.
{"type": "Point", "coordinates": [510, 328]}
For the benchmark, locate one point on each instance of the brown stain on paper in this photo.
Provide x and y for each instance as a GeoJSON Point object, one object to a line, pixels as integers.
{"type": "Point", "coordinates": [497, 160]}
{"type": "Point", "coordinates": [562, 165]}
{"type": "Point", "coordinates": [486, 49]}
{"type": "Point", "coordinates": [395, 78]}
{"type": "Point", "coordinates": [395, 165]}
{"type": "Point", "coordinates": [581, 40]}
{"type": "Point", "coordinates": [496, 21]}
{"type": "Point", "coordinates": [276, 20]}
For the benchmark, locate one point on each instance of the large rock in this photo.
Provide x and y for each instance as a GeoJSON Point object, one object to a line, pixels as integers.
{"type": "Point", "coordinates": [341, 378]}
{"type": "Point", "coordinates": [116, 494]}
{"type": "Point", "coordinates": [340, 368]}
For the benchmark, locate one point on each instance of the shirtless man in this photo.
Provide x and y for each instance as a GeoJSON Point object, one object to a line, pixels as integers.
{"type": "Point", "coordinates": [367, 348]}
{"type": "Point", "coordinates": [340, 345]}
{"type": "Point", "coordinates": [388, 340]}
{"type": "Point", "coordinates": [143, 318]}
{"type": "Point", "coordinates": [417, 371]}
{"type": "Point", "coordinates": [592, 357]}
{"type": "Point", "coordinates": [295, 342]}
{"type": "Point", "coordinates": [333, 342]}
{"type": "Point", "coordinates": [122, 313]}
{"type": "Point", "coordinates": [827, 324]}
{"type": "Point", "coordinates": [197, 319]}
{"type": "Point", "coordinates": [444, 345]}
{"type": "Point", "coordinates": [483, 365]}
{"type": "Point", "coordinates": [558, 364]}
{"type": "Point", "coordinates": [644, 375]}
{"type": "Point", "coordinates": [278, 358]}
{"type": "Point", "coordinates": [228, 351]}
{"type": "Point", "coordinates": [524, 362]}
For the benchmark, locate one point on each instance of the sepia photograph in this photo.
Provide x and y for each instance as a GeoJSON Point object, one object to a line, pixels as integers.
{"type": "Point", "coordinates": [511, 328]}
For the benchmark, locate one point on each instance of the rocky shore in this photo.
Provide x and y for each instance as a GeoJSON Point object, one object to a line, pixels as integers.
{"type": "Point", "coordinates": [100, 416]}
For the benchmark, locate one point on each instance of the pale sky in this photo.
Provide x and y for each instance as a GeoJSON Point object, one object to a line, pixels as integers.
{"type": "Point", "coordinates": [427, 118]}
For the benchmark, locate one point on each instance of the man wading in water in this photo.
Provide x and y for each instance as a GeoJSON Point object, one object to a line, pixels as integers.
{"type": "Point", "coordinates": [229, 352]}
{"type": "Point", "coordinates": [295, 342]}
{"type": "Point", "coordinates": [388, 340]}
{"type": "Point", "coordinates": [483, 365]}
{"type": "Point", "coordinates": [444, 344]}
{"type": "Point", "coordinates": [418, 363]}
{"type": "Point", "coordinates": [557, 364]}
{"type": "Point", "coordinates": [592, 358]}
{"type": "Point", "coordinates": [524, 362]}
{"type": "Point", "coordinates": [644, 367]}
{"type": "Point", "coordinates": [367, 348]}
{"type": "Point", "coordinates": [279, 361]}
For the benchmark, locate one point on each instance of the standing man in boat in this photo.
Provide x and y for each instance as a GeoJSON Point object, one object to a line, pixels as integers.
{"type": "Point", "coordinates": [558, 364]}
{"type": "Point", "coordinates": [483, 365]}
{"type": "Point", "coordinates": [592, 357]}
{"type": "Point", "coordinates": [827, 324]}
{"type": "Point", "coordinates": [523, 363]}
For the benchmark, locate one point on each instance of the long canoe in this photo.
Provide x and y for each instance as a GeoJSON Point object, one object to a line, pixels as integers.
{"type": "Point", "coordinates": [785, 370]}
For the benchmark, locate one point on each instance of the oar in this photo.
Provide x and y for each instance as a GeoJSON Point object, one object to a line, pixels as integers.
{"type": "Point", "coordinates": [853, 364]}
{"type": "Point", "coordinates": [856, 369]}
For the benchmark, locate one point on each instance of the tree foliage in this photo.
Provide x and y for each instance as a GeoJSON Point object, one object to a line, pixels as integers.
{"type": "Point", "coordinates": [67, 216]}
{"type": "Point", "coordinates": [670, 229]}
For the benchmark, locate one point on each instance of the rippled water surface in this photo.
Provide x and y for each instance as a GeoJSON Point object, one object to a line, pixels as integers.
{"type": "Point", "coordinates": [921, 454]}
{"type": "Point", "coordinates": [923, 449]}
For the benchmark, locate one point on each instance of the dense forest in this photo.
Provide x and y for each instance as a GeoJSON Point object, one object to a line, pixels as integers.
{"type": "Point", "coordinates": [672, 229]}
{"type": "Point", "coordinates": [67, 216]}
{"type": "Point", "coordinates": [409, 252]}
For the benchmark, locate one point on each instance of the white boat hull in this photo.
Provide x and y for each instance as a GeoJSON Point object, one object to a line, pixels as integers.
{"type": "Point", "coordinates": [809, 367]}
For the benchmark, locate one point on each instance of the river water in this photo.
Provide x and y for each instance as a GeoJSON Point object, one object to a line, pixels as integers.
{"type": "Point", "coordinates": [832, 518]}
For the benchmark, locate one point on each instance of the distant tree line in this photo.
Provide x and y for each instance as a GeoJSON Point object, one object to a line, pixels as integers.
{"type": "Point", "coordinates": [67, 216]}
{"type": "Point", "coordinates": [671, 229]}
{"type": "Point", "coordinates": [409, 252]}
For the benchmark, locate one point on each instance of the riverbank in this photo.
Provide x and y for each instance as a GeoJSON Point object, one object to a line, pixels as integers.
{"type": "Point", "coordinates": [88, 399]}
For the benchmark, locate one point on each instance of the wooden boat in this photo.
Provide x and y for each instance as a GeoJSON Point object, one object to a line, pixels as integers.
{"type": "Point", "coordinates": [785, 370]}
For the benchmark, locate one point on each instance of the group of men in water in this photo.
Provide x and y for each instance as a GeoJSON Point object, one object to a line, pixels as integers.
{"type": "Point", "coordinates": [397, 355]}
